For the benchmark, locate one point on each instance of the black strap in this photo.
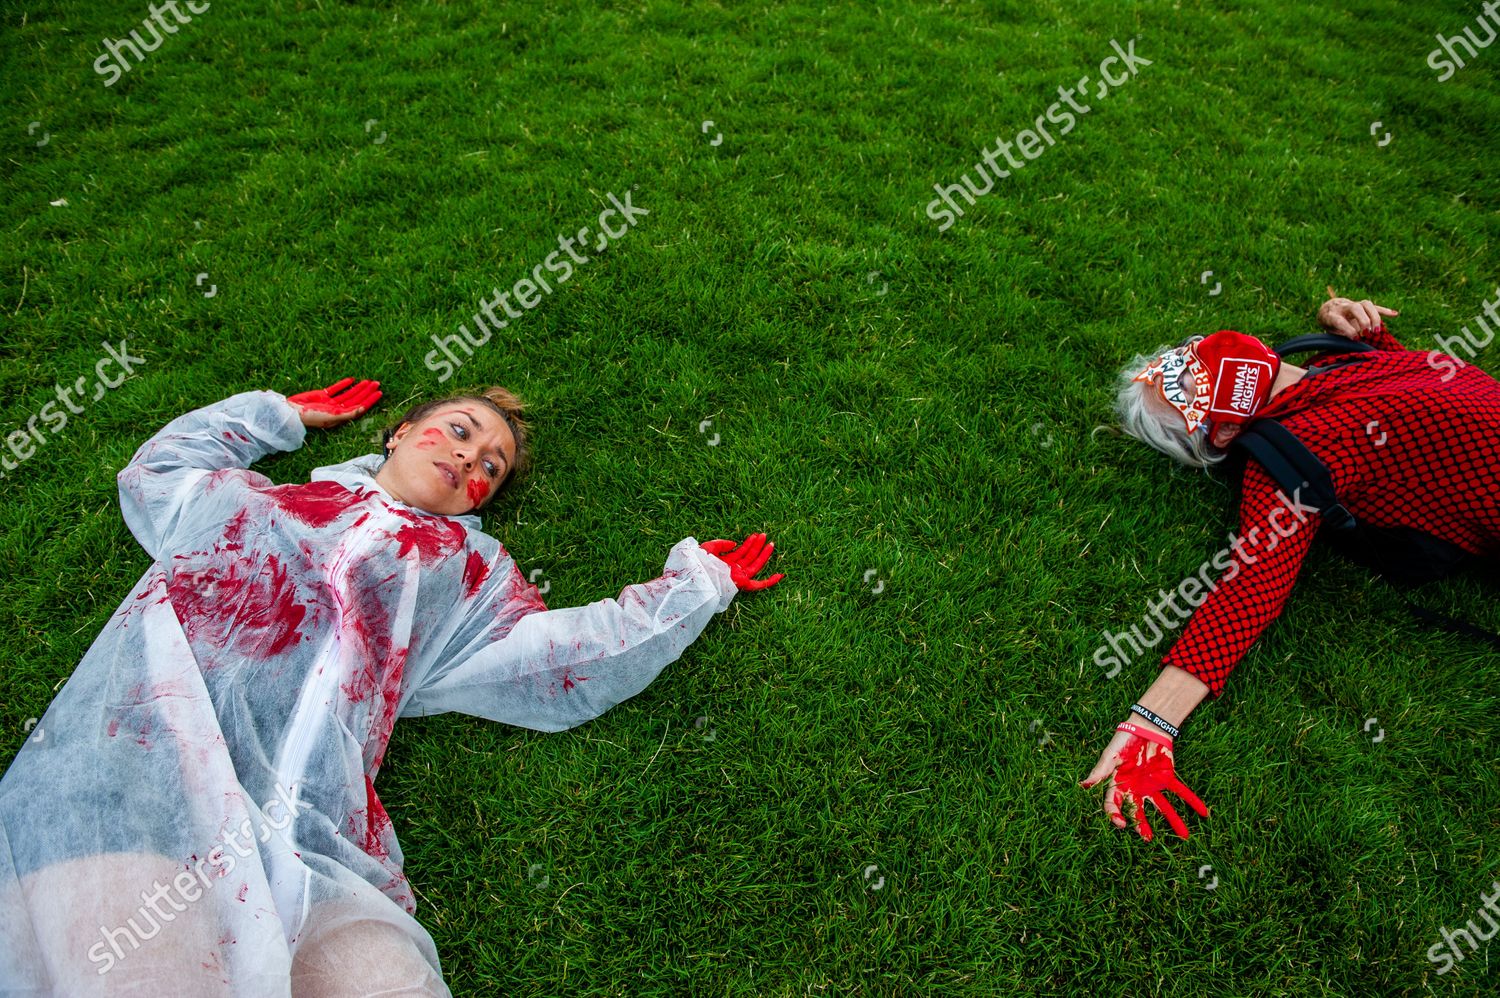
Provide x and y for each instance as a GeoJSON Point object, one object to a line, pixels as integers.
{"type": "Point", "coordinates": [1443, 622]}
{"type": "Point", "coordinates": [1324, 343]}
{"type": "Point", "coordinates": [1293, 467]}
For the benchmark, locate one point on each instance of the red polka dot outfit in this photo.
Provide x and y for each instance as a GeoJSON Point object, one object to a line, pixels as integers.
{"type": "Point", "coordinates": [1404, 447]}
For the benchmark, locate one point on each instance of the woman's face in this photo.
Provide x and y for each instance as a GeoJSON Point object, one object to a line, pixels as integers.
{"type": "Point", "coordinates": [451, 461]}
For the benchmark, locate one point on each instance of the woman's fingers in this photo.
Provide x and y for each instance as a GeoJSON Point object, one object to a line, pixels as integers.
{"type": "Point", "coordinates": [363, 396]}
{"type": "Point", "coordinates": [1335, 321]}
{"type": "Point", "coordinates": [1113, 802]}
{"type": "Point", "coordinates": [1173, 819]}
{"type": "Point", "coordinates": [1194, 801]}
{"type": "Point", "coordinates": [1141, 824]}
{"type": "Point", "coordinates": [1372, 317]}
{"type": "Point", "coordinates": [745, 560]}
{"type": "Point", "coordinates": [1386, 311]}
{"type": "Point", "coordinates": [751, 547]}
{"type": "Point", "coordinates": [337, 385]}
{"type": "Point", "coordinates": [752, 568]}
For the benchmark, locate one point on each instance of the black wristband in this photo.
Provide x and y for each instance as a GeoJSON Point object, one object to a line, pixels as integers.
{"type": "Point", "coordinates": [1163, 725]}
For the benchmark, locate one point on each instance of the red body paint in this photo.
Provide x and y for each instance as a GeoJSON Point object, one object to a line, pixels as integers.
{"type": "Point", "coordinates": [477, 491]}
{"type": "Point", "coordinates": [431, 437]}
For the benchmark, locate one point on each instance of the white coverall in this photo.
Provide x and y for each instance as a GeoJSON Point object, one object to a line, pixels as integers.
{"type": "Point", "coordinates": [208, 769]}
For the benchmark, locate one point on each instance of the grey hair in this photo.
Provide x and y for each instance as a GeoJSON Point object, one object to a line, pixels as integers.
{"type": "Point", "coordinates": [1158, 425]}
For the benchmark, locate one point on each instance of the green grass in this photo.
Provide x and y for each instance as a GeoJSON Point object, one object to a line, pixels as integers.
{"type": "Point", "coordinates": [938, 433]}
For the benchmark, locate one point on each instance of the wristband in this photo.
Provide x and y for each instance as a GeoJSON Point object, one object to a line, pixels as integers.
{"type": "Point", "coordinates": [1161, 723]}
{"type": "Point", "coordinates": [1148, 733]}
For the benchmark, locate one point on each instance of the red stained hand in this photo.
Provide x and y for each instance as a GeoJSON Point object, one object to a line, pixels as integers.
{"type": "Point", "coordinates": [745, 560]}
{"type": "Point", "coordinates": [1140, 769]}
{"type": "Point", "coordinates": [338, 403]}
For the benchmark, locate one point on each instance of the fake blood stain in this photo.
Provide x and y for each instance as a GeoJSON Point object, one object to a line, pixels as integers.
{"type": "Point", "coordinates": [525, 598]}
{"type": "Point", "coordinates": [316, 504]}
{"type": "Point", "coordinates": [251, 606]}
{"type": "Point", "coordinates": [373, 687]}
{"type": "Point", "coordinates": [433, 537]}
{"type": "Point", "coordinates": [477, 491]}
{"type": "Point", "coordinates": [475, 572]}
{"type": "Point", "coordinates": [431, 437]}
{"type": "Point", "coordinates": [377, 822]}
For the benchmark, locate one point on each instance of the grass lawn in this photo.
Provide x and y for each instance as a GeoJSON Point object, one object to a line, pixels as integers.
{"type": "Point", "coordinates": [837, 790]}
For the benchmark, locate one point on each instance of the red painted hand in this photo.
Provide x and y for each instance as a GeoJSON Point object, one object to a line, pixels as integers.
{"type": "Point", "coordinates": [338, 403]}
{"type": "Point", "coordinates": [745, 560]}
{"type": "Point", "coordinates": [1139, 765]}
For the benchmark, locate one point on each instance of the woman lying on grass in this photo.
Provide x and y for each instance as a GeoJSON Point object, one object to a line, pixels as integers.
{"type": "Point", "coordinates": [196, 812]}
{"type": "Point", "coordinates": [1411, 439]}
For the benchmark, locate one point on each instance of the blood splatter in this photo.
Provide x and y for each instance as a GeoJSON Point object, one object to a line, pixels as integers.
{"type": "Point", "coordinates": [377, 823]}
{"type": "Point", "coordinates": [431, 437]}
{"type": "Point", "coordinates": [316, 504]}
{"type": "Point", "coordinates": [522, 599]}
{"type": "Point", "coordinates": [432, 536]}
{"type": "Point", "coordinates": [476, 570]}
{"type": "Point", "coordinates": [234, 532]}
{"type": "Point", "coordinates": [368, 633]}
{"type": "Point", "coordinates": [254, 606]}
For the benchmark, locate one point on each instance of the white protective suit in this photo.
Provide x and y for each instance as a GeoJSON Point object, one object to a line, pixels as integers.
{"type": "Point", "coordinates": [226, 727]}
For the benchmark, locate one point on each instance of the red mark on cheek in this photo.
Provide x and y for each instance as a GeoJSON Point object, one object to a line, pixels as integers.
{"type": "Point", "coordinates": [431, 437]}
{"type": "Point", "coordinates": [477, 491]}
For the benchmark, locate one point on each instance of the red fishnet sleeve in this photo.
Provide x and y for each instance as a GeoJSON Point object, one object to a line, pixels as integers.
{"type": "Point", "coordinates": [1253, 589]}
{"type": "Point", "coordinates": [1381, 339]}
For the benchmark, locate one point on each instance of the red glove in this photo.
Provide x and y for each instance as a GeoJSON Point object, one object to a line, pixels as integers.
{"type": "Point", "coordinates": [338, 401]}
{"type": "Point", "coordinates": [1143, 772]}
{"type": "Point", "coordinates": [745, 560]}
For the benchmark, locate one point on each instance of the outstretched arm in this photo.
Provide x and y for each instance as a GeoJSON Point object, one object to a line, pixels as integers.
{"type": "Point", "coordinates": [555, 669]}
{"type": "Point", "coordinates": [207, 446]}
{"type": "Point", "coordinates": [1275, 534]}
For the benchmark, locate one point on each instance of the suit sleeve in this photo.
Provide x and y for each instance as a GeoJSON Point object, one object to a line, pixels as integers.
{"type": "Point", "coordinates": [554, 669]}
{"type": "Point", "coordinates": [1253, 589]}
{"type": "Point", "coordinates": [194, 452]}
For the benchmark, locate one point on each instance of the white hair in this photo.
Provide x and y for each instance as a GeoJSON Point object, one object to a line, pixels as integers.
{"type": "Point", "coordinates": [1152, 421]}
